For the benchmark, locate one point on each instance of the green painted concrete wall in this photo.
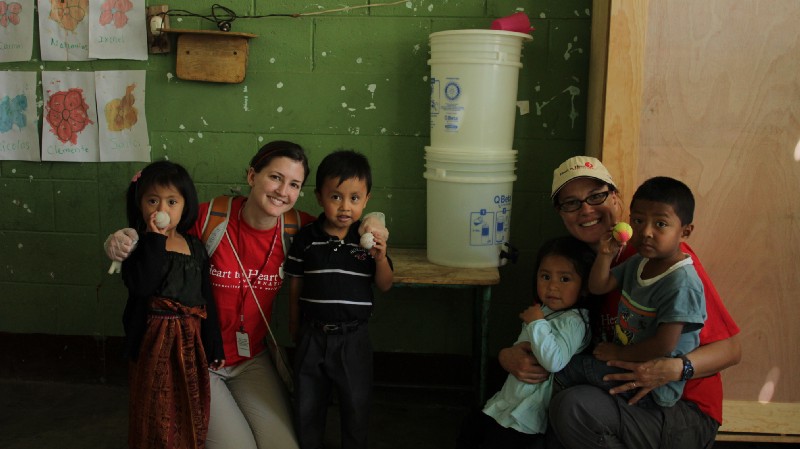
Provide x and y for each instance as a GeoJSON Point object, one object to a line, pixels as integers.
{"type": "Point", "coordinates": [356, 79]}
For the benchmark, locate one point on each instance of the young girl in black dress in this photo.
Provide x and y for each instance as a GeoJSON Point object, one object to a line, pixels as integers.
{"type": "Point", "coordinates": [171, 327]}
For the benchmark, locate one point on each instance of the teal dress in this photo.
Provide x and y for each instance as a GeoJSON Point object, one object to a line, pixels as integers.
{"type": "Point", "coordinates": [554, 340]}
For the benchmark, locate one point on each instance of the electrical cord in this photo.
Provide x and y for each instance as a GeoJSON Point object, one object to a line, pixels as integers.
{"type": "Point", "coordinates": [223, 17]}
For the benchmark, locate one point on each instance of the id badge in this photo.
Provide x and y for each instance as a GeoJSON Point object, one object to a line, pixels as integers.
{"type": "Point", "coordinates": [243, 344]}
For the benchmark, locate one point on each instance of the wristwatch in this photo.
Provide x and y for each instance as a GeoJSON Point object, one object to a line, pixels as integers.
{"type": "Point", "coordinates": [688, 369]}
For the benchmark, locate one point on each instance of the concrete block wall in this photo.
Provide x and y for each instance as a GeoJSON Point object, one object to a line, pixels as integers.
{"type": "Point", "coordinates": [354, 79]}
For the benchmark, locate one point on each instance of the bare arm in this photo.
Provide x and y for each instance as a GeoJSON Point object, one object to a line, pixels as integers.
{"type": "Point", "coordinates": [659, 345]}
{"type": "Point", "coordinates": [600, 279]}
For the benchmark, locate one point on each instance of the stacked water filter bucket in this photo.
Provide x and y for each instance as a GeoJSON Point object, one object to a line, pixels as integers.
{"type": "Point", "coordinates": [470, 163]}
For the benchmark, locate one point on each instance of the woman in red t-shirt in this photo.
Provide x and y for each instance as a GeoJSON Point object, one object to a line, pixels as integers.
{"type": "Point", "coordinates": [586, 198]}
{"type": "Point", "coordinates": [249, 406]}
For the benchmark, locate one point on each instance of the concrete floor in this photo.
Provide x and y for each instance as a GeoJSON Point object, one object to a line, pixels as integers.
{"type": "Point", "coordinates": [37, 415]}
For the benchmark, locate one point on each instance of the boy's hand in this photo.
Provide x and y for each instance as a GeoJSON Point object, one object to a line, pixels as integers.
{"type": "Point", "coordinates": [217, 364]}
{"type": "Point", "coordinates": [378, 251]}
{"type": "Point", "coordinates": [605, 351]}
{"type": "Point", "coordinates": [608, 245]}
{"type": "Point", "coordinates": [532, 313]}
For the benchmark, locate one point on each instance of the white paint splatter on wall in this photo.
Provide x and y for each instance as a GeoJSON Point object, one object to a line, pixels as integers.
{"type": "Point", "coordinates": [280, 109]}
{"type": "Point", "coordinates": [170, 76]}
{"type": "Point", "coordinates": [371, 88]}
{"type": "Point", "coordinates": [272, 60]}
{"type": "Point", "coordinates": [359, 60]}
{"type": "Point", "coordinates": [570, 48]}
{"type": "Point", "coordinates": [279, 85]}
{"type": "Point", "coordinates": [371, 106]}
{"type": "Point", "coordinates": [181, 127]}
{"type": "Point", "coordinates": [200, 135]}
{"type": "Point", "coordinates": [572, 91]}
{"type": "Point", "coordinates": [342, 88]}
{"type": "Point", "coordinates": [344, 105]}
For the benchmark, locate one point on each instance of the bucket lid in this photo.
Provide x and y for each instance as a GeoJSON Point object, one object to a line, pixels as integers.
{"type": "Point", "coordinates": [523, 36]}
{"type": "Point", "coordinates": [481, 155]}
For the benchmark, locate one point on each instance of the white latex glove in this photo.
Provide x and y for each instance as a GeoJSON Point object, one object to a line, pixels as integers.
{"type": "Point", "coordinates": [372, 224]}
{"type": "Point", "coordinates": [118, 247]}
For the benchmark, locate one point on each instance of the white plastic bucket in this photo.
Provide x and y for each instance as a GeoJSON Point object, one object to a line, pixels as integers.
{"type": "Point", "coordinates": [474, 76]}
{"type": "Point", "coordinates": [469, 207]}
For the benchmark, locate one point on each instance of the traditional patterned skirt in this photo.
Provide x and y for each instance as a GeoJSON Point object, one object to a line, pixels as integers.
{"type": "Point", "coordinates": [169, 384]}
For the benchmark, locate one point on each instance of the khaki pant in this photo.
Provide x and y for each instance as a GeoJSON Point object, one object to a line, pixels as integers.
{"type": "Point", "coordinates": [250, 408]}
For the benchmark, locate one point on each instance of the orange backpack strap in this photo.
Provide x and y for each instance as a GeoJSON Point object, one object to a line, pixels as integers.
{"type": "Point", "coordinates": [219, 209]}
{"type": "Point", "coordinates": [291, 225]}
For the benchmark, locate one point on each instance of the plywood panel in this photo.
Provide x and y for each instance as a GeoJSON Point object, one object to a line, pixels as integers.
{"type": "Point", "coordinates": [625, 31]}
{"type": "Point", "coordinates": [721, 111]}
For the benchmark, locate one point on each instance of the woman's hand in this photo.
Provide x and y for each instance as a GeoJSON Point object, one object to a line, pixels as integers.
{"type": "Point", "coordinates": [120, 244]}
{"type": "Point", "coordinates": [520, 363]}
{"type": "Point", "coordinates": [645, 375]}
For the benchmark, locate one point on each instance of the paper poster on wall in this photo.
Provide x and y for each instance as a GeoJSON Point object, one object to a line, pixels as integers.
{"type": "Point", "coordinates": [64, 30]}
{"type": "Point", "coordinates": [69, 128]}
{"type": "Point", "coordinates": [117, 29]}
{"type": "Point", "coordinates": [16, 30]}
{"type": "Point", "coordinates": [19, 127]}
{"type": "Point", "coordinates": [121, 119]}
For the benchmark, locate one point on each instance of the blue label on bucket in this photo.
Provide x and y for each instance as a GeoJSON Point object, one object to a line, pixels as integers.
{"type": "Point", "coordinates": [452, 91]}
{"type": "Point", "coordinates": [481, 228]}
{"type": "Point", "coordinates": [489, 228]}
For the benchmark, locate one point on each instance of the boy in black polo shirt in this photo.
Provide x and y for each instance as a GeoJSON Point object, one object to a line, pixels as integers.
{"type": "Point", "coordinates": [331, 301]}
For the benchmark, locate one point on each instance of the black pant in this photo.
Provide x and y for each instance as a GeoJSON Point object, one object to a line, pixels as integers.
{"type": "Point", "coordinates": [322, 362]}
{"type": "Point", "coordinates": [481, 431]}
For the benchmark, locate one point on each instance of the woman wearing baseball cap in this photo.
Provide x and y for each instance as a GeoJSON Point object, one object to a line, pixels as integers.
{"type": "Point", "coordinates": [584, 416]}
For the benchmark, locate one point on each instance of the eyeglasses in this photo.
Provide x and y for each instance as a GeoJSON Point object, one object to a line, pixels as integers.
{"type": "Point", "coordinates": [594, 199]}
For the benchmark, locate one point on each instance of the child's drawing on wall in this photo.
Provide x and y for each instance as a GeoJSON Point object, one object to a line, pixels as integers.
{"type": "Point", "coordinates": [70, 130]}
{"type": "Point", "coordinates": [67, 114]}
{"type": "Point", "coordinates": [64, 30]}
{"type": "Point", "coordinates": [19, 133]}
{"type": "Point", "coordinates": [123, 128]}
{"type": "Point", "coordinates": [16, 30]}
{"type": "Point", "coordinates": [118, 30]}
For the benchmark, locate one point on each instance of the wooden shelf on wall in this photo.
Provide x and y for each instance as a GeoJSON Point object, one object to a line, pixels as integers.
{"type": "Point", "coordinates": [209, 55]}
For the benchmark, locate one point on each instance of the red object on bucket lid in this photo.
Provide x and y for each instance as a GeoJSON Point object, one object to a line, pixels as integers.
{"type": "Point", "coordinates": [517, 22]}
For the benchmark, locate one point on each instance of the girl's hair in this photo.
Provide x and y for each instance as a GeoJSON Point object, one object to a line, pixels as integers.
{"type": "Point", "coordinates": [162, 173]}
{"type": "Point", "coordinates": [582, 257]}
{"type": "Point", "coordinates": [280, 148]}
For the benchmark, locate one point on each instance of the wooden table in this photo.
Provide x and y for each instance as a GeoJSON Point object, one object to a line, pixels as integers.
{"type": "Point", "coordinates": [412, 269]}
